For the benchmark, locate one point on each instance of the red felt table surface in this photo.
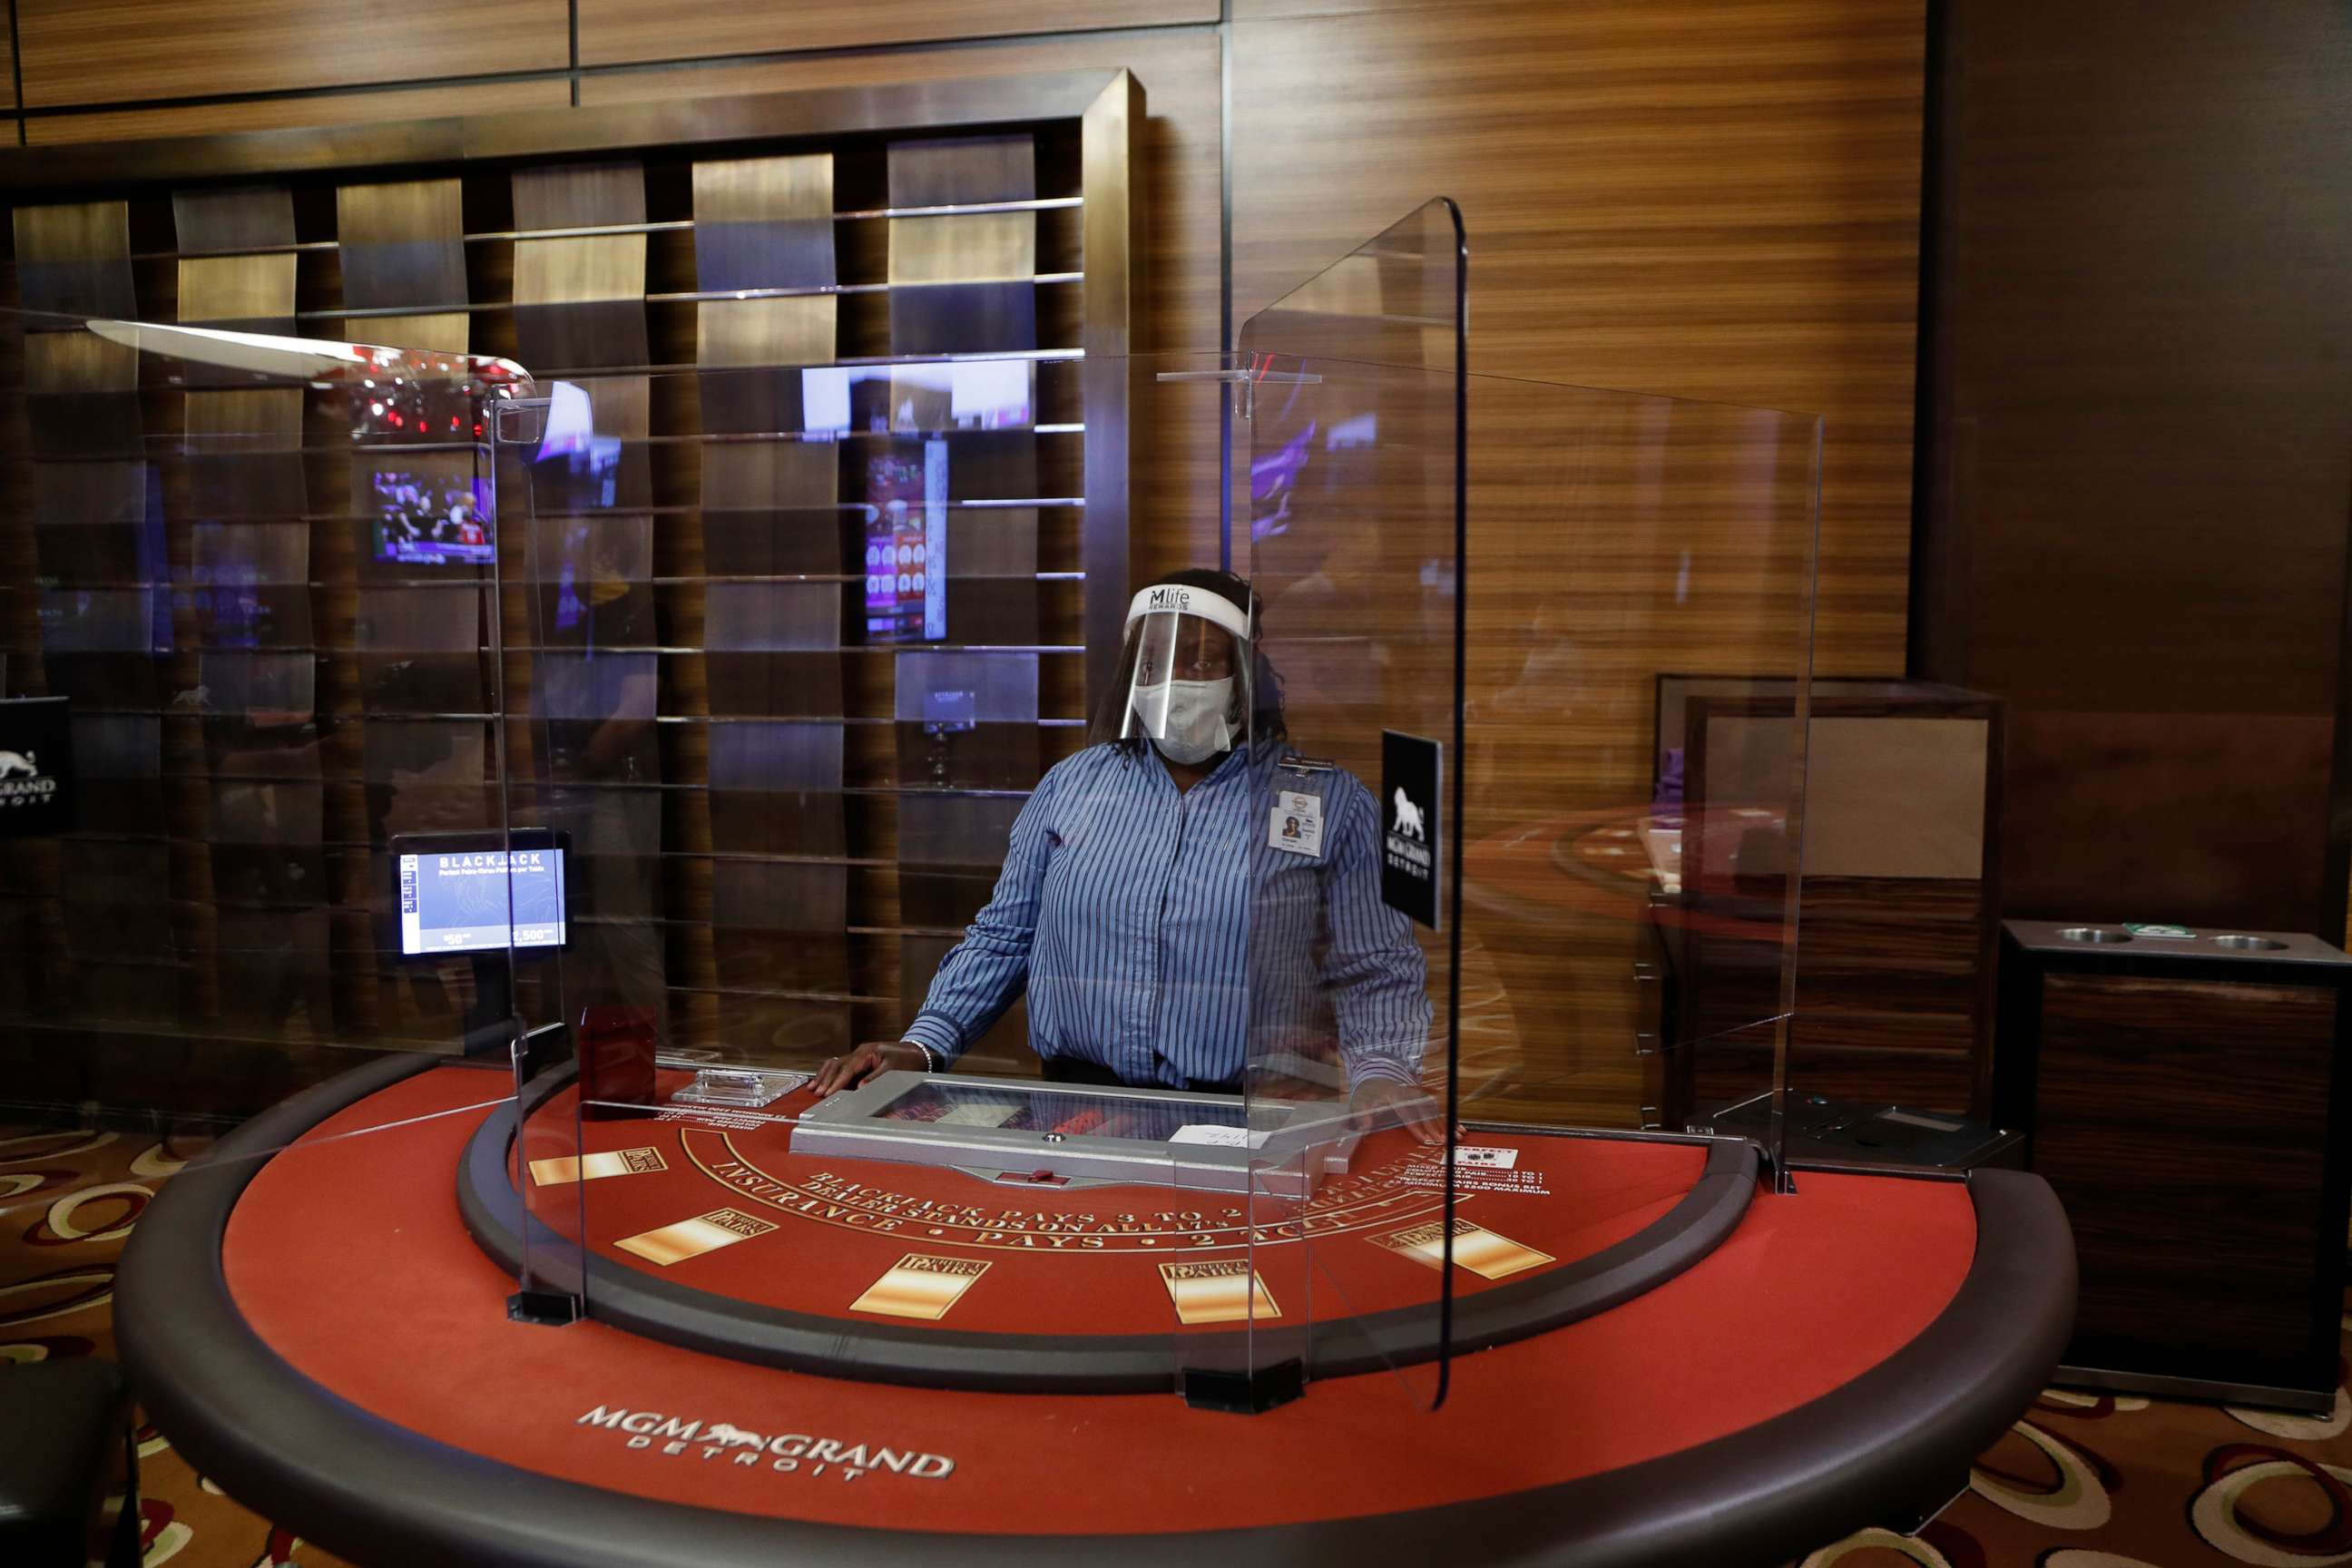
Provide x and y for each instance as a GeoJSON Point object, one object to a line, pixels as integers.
{"type": "Point", "coordinates": [1082, 1260]}
{"type": "Point", "coordinates": [347, 1255]}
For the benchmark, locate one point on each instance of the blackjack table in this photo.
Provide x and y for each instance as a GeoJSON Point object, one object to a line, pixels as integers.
{"type": "Point", "coordinates": [1648, 1354]}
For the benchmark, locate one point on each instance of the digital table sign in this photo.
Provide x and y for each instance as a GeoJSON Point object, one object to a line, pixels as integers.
{"type": "Point", "coordinates": [463, 900]}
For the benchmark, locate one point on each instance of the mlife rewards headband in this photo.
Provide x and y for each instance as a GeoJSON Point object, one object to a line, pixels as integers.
{"type": "Point", "coordinates": [1176, 598]}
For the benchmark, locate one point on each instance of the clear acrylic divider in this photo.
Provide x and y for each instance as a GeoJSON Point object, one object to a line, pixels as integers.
{"type": "Point", "coordinates": [259, 695]}
{"type": "Point", "coordinates": [803, 639]}
{"type": "Point", "coordinates": [1629, 823]}
{"type": "Point", "coordinates": [1352, 401]}
{"type": "Point", "coordinates": [1240, 1291]}
{"type": "Point", "coordinates": [1640, 648]}
{"type": "Point", "coordinates": [548, 1163]}
{"type": "Point", "coordinates": [628, 669]}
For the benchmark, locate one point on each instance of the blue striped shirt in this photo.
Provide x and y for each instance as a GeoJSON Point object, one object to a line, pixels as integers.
{"type": "Point", "coordinates": [1162, 936]}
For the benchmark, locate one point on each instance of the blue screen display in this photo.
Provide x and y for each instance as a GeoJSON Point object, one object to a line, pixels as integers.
{"type": "Point", "coordinates": [457, 901]}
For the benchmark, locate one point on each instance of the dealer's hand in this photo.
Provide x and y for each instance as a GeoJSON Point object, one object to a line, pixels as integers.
{"type": "Point", "coordinates": [1381, 1102]}
{"type": "Point", "coordinates": [873, 1057]}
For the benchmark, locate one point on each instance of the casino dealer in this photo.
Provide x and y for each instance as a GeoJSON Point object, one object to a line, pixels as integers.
{"type": "Point", "coordinates": [1180, 900]}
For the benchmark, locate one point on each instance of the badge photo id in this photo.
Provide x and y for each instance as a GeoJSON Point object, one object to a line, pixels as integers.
{"type": "Point", "coordinates": [1296, 824]}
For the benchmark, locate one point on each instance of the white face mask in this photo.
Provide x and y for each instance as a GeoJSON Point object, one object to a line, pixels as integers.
{"type": "Point", "coordinates": [1190, 716]}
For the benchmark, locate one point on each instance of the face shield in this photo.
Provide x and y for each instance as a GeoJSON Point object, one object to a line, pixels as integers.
{"type": "Point", "coordinates": [1188, 688]}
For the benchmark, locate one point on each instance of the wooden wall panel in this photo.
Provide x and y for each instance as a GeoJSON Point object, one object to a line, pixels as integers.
{"type": "Point", "coordinates": [2134, 501]}
{"type": "Point", "coordinates": [1708, 202]}
{"type": "Point", "coordinates": [619, 32]}
{"type": "Point", "coordinates": [2204, 819]}
{"type": "Point", "coordinates": [291, 114]}
{"type": "Point", "coordinates": [76, 52]}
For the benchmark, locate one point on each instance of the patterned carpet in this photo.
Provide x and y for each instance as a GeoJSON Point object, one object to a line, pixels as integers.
{"type": "Point", "coordinates": [2079, 1482]}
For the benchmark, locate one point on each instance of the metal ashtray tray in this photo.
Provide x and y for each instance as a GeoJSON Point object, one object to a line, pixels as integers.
{"type": "Point", "coordinates": [737, 1088]}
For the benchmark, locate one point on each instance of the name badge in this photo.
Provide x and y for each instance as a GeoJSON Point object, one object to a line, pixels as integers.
{"type": "Point", "coordinates": [1296, 824]}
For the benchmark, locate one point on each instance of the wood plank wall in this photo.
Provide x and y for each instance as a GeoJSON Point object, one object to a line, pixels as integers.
{"type": "Point", "coordinates": [2134, 507]}
{"type": "Point", "coordinates": [1721, 209]}
{"type": "Point", "coordinates": [1706, 198]}
{"type": "Point", "coordinates": [1714, 199]}
{"type": "Point", "coordinates": [1711, 199]}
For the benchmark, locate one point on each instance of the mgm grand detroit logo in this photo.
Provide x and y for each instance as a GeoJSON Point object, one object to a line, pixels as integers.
{"type": "Point", "coordinates": [22, 781]}
{"type": "Point", "coordinates": [786, 1453]}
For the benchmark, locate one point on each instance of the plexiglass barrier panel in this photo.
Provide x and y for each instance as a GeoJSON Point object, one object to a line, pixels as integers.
{"type": "Point", "coordinates": [1887, 1063]}
{"type": "Point", "coordinates": [245, 654]}
{"type": "Point", "coordinates": [1356, 553]}
{"type": "Point", "coordinates": [926, 853]}
{"type": "Point", "coordinates": [1635, 774]}
{"type": "Point", "coordinates": [1126, 908]}
{"type": "Point", "coordinates": [660, 763]}
{"type": "Point", "coordinates": [796, 647]}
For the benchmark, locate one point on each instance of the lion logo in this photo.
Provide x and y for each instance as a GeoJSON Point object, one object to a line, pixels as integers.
{"type": "Point", "coordinates": [724, 1436]}
{"type": "Point", "coordinates": [1409, 824]}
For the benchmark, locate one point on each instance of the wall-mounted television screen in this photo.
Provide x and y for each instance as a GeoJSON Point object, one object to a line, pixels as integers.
{"type": "Point", "coordinates": [429, 518]}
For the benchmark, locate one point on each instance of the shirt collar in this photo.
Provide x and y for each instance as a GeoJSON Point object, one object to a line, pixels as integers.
{"type": "Point", "coordinates": [1229, 767]}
